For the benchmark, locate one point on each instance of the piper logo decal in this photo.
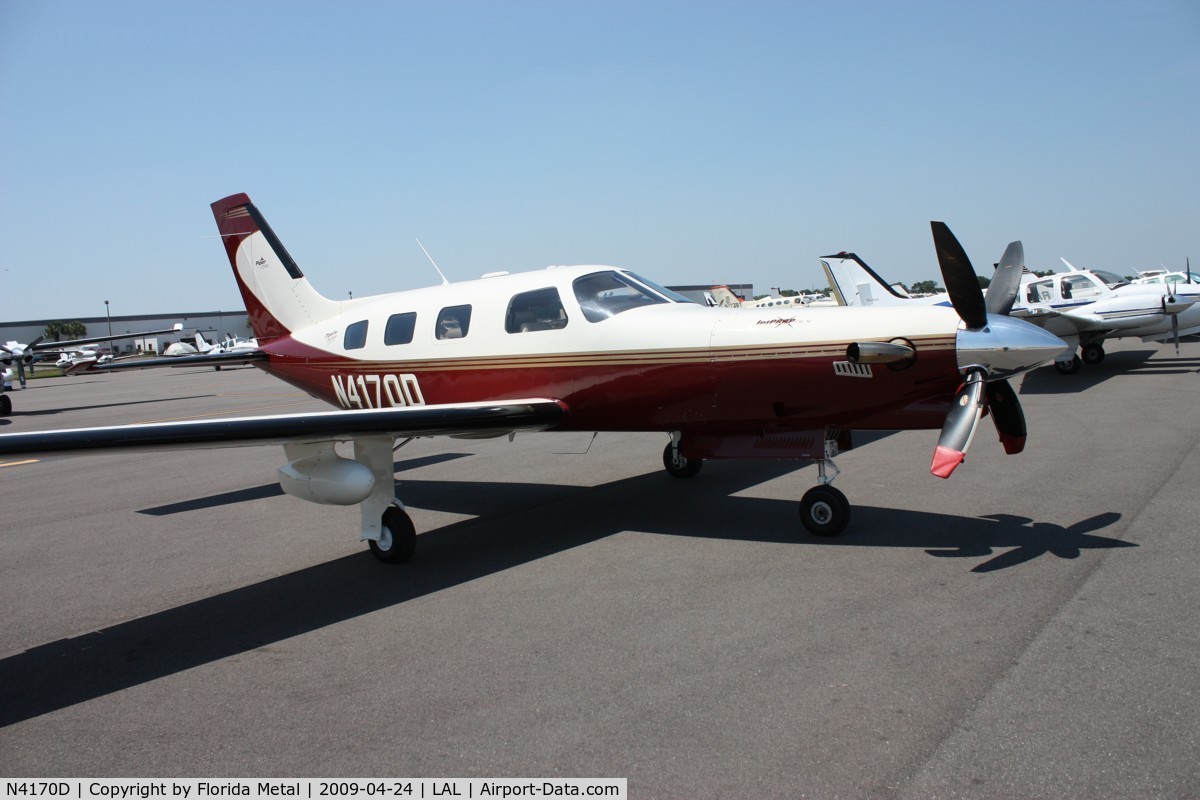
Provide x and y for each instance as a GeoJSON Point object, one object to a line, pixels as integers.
{"type": "Point", "coordinates": [777, 321]}
{"type": "Point", "coordinates": [377, 391]}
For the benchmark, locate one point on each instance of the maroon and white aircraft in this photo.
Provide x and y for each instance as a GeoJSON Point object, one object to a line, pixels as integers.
{"type": "Point", "coordinates": [593, 348]}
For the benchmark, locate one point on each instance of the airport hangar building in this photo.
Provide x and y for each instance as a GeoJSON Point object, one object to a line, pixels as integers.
{"type": "Point", "coordinates": [214, 325]}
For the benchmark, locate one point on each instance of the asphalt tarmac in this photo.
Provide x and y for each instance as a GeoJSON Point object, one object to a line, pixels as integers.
{"type": "Point", "coordinates": [1028, 628]}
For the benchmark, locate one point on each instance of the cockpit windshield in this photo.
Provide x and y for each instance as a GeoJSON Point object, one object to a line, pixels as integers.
{"type": "Point", "coordinates": [1111, 279]}
{"type": "Point", "coordinates": [674, 297]}
{"type": "Point", "coordinates": [605, 294]}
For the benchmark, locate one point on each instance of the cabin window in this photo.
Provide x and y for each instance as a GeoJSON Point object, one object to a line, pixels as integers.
{"type": "Point", "coordinates": [453, 322]}
{"type": "Point", "coordinates": [605, 294]}
{"type": "Point", "coordinates": [399, 328]}
{"type": "Point", "coordinates": [356, 336]}
{"type": "Point", "coordinates": [1038, 292]}
{"type": "Point", "coordinates": [540, 310]}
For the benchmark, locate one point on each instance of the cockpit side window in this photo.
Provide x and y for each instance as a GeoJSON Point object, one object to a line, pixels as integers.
{"type": "Point", "coordinates": [539, 310]}
{"type": "Point", "coordinates": [605, 294]}
{"type": "Point", "coordinates": [453, 322]}
{"type": "Point", "coordinates": [1077, 287]}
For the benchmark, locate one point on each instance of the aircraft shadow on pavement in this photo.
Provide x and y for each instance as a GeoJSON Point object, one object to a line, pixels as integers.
{"type": "Point", "coordinates": [1047, 380]}
{"type": "Point", "coordinates": [518, 524]}
{"type": "Point", "coordinates": [274, 490]}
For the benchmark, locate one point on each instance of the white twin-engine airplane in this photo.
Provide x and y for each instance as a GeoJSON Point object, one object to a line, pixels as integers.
{"type": "Point", "coordinates": [592, 348]}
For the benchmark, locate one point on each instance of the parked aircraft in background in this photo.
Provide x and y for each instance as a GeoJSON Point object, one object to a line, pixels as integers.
{"type": "Point", "coordinates": [723, 297]}
{"type": "Point", "coordinates": [856, 284]}
{"type": "Point", "coordinates": [593, 348]}
{"type": "Point", "coordinates": [230, 344]}
{"type": "Point", "coordinates": [22, 355]}
{"type": "Point", "coordinates": [1167, 277]}
{"type": "Point", "coordinates": [1085, 307]}
{"type": "Point", "coordinates": [181, 348]}
{"type": "Point", "coordinates": [68, 358]}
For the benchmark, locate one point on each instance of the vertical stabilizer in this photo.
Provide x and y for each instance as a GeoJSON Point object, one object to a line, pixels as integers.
{"type": "Point", "coordinates": [278, 297]}
{"type": "Point", "coordinates": [856, 284]}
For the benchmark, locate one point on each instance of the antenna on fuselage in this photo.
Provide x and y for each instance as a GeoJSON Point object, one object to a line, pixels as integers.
{"type": "Point", "coordinates": [431, 261]}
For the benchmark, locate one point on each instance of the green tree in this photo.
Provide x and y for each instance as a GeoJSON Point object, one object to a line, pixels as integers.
{"type": "Point", "coordinates": [72, 330]}
{"type": "Point", "coordinates": [924, 287]}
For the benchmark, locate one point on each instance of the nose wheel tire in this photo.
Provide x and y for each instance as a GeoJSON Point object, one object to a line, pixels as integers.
{"type": "Point", "coordinates": [825, 511]}
{"type": "Point", "coordinates": [398, 538]}
{"type": "Point", "coordinates": [678, 465]}
{"type": "Point", "coordinates": [5, 405]}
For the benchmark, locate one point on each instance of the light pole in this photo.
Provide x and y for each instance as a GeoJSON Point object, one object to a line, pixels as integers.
{"type": "Point", "coordinates": [108, 317]}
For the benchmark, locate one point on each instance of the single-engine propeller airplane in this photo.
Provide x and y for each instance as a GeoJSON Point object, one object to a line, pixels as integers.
{"type": "Point", "coordinates": [594, 348]}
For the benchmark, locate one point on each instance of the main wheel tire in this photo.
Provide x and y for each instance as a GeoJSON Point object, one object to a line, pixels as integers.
{"type": "Point", "coordinates": [1068, 367]}
{"type": "Point", "coordinates": [5, 405]}
{"type": "Point", "coordinates": [398, 538]}
{"type": "Point", "coordinates": [1093, 353]}
{"type": "Point", "coordinates": [825, 511]}
{"type": "Point", "coordinates": [680, 466]}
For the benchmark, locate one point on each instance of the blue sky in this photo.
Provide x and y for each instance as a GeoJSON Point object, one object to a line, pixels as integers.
{"type": "Point", "coordinates": [692, 142]}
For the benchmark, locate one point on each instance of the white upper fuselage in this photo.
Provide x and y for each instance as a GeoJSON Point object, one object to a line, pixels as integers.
{"type": "Point", "coordinates": [666, 323]}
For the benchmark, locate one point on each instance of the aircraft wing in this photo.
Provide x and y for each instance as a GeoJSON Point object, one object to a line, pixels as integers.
{"type": "Point", "coordinates": [196, 360]}
{"type": "Point", "coordinates": [1037, 316]}
{"type": "Point", "coordinates": [453, 419]}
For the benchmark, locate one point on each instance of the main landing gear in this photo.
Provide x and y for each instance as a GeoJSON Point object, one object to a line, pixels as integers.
{"type": "Point", "coordinates": [678, 465]}
{"type": "Point", "coordinates": [824, 510]}
{"type": "Point", "coordinates": [316, 472]}
{"type": "Point", "coordinates": [397, 537]}
{"type": "Point", "coordinates": [1093, 354]}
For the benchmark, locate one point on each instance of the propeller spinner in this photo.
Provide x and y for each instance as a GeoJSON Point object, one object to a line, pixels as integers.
{"type": "Point", "coordinates": [991, 348]}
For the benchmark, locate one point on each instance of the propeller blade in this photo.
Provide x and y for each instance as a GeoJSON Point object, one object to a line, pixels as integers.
{"type": "Point", "coordinates": [1007, 416]}
{"type": "Point", "coordinates": [1002, 291]}
{"type": "Point", "coordinates": [1175, 331]}
{"type": "Point", "coordinates": [29, 347]}
{"type": "Point", "coordinates": [960, 425]}
{"type": "Point", "coordinates": [21, 372]}
{"type": "Point", "coordinates": [959, 277]}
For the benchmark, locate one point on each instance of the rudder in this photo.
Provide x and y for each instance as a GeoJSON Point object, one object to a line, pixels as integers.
{"type": "Point", "coordinates": [278, 298]}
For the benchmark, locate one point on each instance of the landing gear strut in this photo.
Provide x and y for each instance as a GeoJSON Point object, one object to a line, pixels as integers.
{"type": "Point", "coordinates": [824, 510]}
{"type": "Point", "coordinates": [678, 465]}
